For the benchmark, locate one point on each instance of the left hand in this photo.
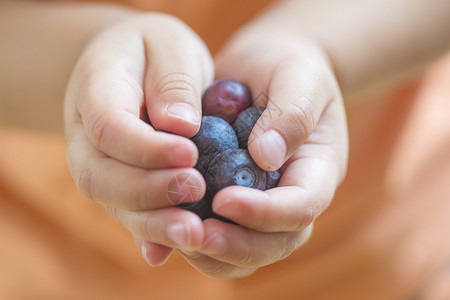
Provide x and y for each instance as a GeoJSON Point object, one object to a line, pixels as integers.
{"type": "Point", "coordinates": [303, 130]}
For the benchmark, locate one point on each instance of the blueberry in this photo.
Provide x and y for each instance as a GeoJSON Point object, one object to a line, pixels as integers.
{"type": "Point", "coordinates": [220, 160]}
{"type": "Point", "coordinates": [214, 137]}
{"type": "Point", "coordinates": [245, 123]}
{"type": "Point", "coordinates": [203, 208]}
{"type": "Point", "coordinates": [226, 98]}
{"type": "Point", "coordinates": [234, 167]}
{"type": "Point", "coordinates": [272, 179]}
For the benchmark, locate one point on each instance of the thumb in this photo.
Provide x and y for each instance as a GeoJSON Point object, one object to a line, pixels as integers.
{"type": "Point", "coordinates": [179, 67]}
{"type": "Point", "coordinates": [297, 96]}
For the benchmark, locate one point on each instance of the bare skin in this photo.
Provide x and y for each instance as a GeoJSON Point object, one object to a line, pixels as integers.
{"type": "Point", "coordinates": [300, 53]}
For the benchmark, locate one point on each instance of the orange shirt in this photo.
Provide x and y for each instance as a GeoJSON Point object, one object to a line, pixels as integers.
{"type": "Point", "coordinates": [384, 236]}
{"type": "Point", "coordinates": [213, 20]}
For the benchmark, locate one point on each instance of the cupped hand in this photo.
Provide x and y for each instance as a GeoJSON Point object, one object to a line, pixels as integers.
{"type": "Point", "coordinates": [150, 68]}
{"type": "Point", "coordinates": [302, 132]}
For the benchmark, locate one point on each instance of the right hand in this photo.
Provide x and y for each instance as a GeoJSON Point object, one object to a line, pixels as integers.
{"type": "Point", "coordinates": [303, 130]}
{"type": "Point", "coordinates": [149, 66]}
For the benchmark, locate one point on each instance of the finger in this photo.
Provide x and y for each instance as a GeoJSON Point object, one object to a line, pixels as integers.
{"type": "Point", "coordinates": [246, 248]}
{"type": "Point", "coordinates": [154, 254]}
{"type": "Point", "coordinates": [307, 185]}
{"type": "Point", "coordinates": [171, 227]}
{"type": "Point", "coordinates": [215, 268]}
{"type": "Point", "coordinates": [113, 183]}
{"type": "Point", "coordinates": [291, 206]}
{"type": "Point", "coordinates": [179, 67]}
{"type": "Point", "coordinates": [106, 87]}
{"type": "Point", "coordinates": [299, 91]}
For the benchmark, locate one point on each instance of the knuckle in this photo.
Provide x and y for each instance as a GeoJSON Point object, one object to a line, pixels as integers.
{"type": "Point", "coordinates": [147, 228]}
{"type": "Point", "coordinates": [319, 202]}
{"type": "Point", "coordinates": [289, 245]}
{"type": "Point", "coordinates": [84, 181]}
{"type": "Point", "coordinates": [306, 219]}
{"type": "Point", "coordinates": [302, 116]}
{"type": "Point", "coordinates": [174, 83]}
{"type": "Point", "coordinates": [131, 85]}
{"type": "Point", "coordinates": [247, 258]}
{"type": "Point", "coordinates": [219, 270]}
{"type": "Point", "coordinates": [324, 202]}
{"type": "Point", "coordinates": [144, 195]}
{"type": "Point", "coordinates": [97, 131]}
{"type": "Point", "coordinates": [305, 215]}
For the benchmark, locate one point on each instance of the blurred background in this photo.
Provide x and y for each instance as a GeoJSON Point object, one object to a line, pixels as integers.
{"type": "Point", "coordinates": [385, 236]}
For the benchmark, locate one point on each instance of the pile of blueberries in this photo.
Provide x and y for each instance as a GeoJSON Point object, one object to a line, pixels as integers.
{"type": "Point", "coordinates": [228, 119]}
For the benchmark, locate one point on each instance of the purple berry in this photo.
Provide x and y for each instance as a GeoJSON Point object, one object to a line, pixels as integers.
{"type": "Point", "coordinates": [220, 160]}
{"type": "Point", "coordinates": [245, 123]}
{"type": "Point", "coordinates": [234, 167]}
{"type": "Point", "coordinates": [272, 179]}
{"type": "Point", "coordinates": [203, 208]}
{"type": "Point", "coordinates": [214, 137]}
{"type": "Point", "coordinates": [226, 98]}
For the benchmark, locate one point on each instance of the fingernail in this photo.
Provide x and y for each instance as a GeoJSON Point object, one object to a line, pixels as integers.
{"type": "Point", "coordinates": [215, 245]}
{"type": "Point", "coordinates": [178, 234]}
{"type": "Point", "coordinates": [226, 208]}
{"type": "Point", "coordinates": [144, 254]}
{"type": "Point", "coordinates": [272, 148]}
{"type": "Point", "coordinates": [183, 111]}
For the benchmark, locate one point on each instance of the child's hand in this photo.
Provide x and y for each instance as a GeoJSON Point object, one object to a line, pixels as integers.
{"type": "Point", "coordinates": [153, 63]}
{"type": "Point", "coordinates": [303, 130]}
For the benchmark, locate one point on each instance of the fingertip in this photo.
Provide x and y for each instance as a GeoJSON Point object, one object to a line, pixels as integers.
{"type": "Point", "coordinates": [236, 203]}
{"type": "Point", "coordinates": [186, 231]}
{"type": "Point", "coordinates": [268, 150]}
{"type": "Point", "coordinates": [183, 154]}
{"type": "Point", "coordinates": [154, 254]}
{"type": "Point", "coordinates": [182, 119]}
{"type": "Point", "coordinates": [179, 118]}
{"type": "Point", "coordinates": [228, 208]}
{"type": "Point", "coordinates": [196, 232]}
